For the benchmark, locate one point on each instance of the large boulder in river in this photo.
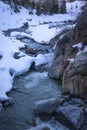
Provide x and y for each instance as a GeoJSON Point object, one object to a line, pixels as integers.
{"type": "Point", "coordinates": [46, 106]}
{"type": "Point", "coordinates": [75, 76]}
{"type": "Point", "coordinates": [70, 116]}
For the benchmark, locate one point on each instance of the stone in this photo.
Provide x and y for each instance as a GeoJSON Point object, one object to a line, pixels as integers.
{"type": "Point", "coordinates": [56, 69]}
{"type": "Point", "coordinates": [80, 63]}
{"type": "Point", "coordinates": [8, 102]}
{"type": "Point", "coordinates": [45, 107]}
{"type": "Point", "coordinates": [75, 77]}
{"type": "Point", "coordinates": [71, 116]}
{"type": "Point", "coordinates": [76, 85]}
{"type": "Point", "coordinates": [77, 101]}
{"type": "Point", "coordinates": [40, 127]}
{"type": "Point", "coordinates": [62, 53]}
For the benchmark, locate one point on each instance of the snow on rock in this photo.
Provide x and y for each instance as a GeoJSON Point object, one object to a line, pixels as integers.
{"type": "Point", "coordinates": [40, 59]}
{"type": "Point", "coordinates": [79, 45]}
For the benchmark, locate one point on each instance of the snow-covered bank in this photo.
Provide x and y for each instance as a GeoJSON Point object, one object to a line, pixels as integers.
{"type": "Point", "coordinates": [40, 32]}
{"type": "Point", "coordinates": [11, 67]}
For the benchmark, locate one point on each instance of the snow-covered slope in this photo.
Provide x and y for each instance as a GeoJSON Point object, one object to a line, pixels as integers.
{"type": "Point", "coordinates": [40, 32]}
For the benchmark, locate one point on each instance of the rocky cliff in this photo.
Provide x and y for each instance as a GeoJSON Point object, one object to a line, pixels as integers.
{"type": "Point", "coordinates": [70, 59]}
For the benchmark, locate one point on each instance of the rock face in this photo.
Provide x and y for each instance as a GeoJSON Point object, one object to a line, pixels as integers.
{"type": "Point", "coordinates": [45, 107]}
{"type": "Point", "coordinates": [73, 74]}
{"type": "Point", "coordinates": [63, 51]}
{"type": "Point", "coordinates": [71, 116]}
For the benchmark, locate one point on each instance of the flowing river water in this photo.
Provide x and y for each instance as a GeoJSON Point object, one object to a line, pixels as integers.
{"type": "Point", "coordinates": [31, 87]}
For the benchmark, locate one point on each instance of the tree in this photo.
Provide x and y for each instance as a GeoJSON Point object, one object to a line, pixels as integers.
{"type": "Point", "coordinates": [62, 6]}
{"type": "Point", "coordinates": [80, 32]}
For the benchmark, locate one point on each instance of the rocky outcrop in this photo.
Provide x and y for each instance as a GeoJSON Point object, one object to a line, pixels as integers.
{"type": "Point", "coordinates": [70, 66]}
{"type": "Point", "coordinates": [75, 76]}
{"type": "Point", "coordinates": [63, 51]}
{"type": "Point", "coordinates": [71, 116]}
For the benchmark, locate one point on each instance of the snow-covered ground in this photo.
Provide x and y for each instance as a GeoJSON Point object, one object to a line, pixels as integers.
{"type": "Point", "coordinates": [40, 32]}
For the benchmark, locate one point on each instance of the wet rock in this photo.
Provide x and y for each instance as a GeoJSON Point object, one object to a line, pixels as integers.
{"type": "Point", "coordinates": [17, 55]}
{"type": "Point", "coordinates": [41, 127]}
{"type": "Point", "coordinates": [70, 116]}
{"type": "Point", "coordinates": [78, 101]}
{"type": "Point", "coordinates": [31, 51]}
{"type": "Point", "coordinates": [75, 77]}
{"type": "Point", "coordinates": [8, 102]}
{"type": "Point", "coordinates": [56, 69]}
{"type": "Point", "coordinates": [62, 52]}
{"type": "Point", "coordinates": [45, 107]}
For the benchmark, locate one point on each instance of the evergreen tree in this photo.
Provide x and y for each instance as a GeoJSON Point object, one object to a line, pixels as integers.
{"type": "Point", "coordinates": [62, 7]}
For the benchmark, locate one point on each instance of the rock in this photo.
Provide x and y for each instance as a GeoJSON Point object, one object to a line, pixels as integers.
{"type": "Point", "coordinates": [45, 107]}
{"type": "Point", "coordinates": [63, 52]}
{"type": "Point", "coordinates": [80, 63]}
{"type": "Point", "coordinates": [76, 85]}
{"type": "Point", "coordinates": [70, 116]}
{"type": "Point", "coordinates": [18, 55]}
{"type": "Point", "coordinates": [41, 127]}
{"type": "Point", "coordinates": [77, 101]}
{"type": "Point", "coordinates": [30, 51]}
{"type": "Point", "coordinates": [75, 76]}
{"type": "Point", "coordinates": [8, 102]}
{"type": "Point", "coordinates": [56, 69]}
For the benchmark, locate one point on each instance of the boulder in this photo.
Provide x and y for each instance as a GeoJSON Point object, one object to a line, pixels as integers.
{"type": "Point", "coordinates": [71, 116]}
{"type": "Point", "coordinates": [45, 107]}
{"type": "Point", "coordinates": [56, 69]}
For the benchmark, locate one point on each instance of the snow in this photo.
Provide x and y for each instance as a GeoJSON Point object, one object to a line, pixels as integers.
{"type": "Point", "coordinates": [40, 59]}
{"type": "Point", "coordinates": [39, 29]}
{"type": "Point", "coordinates": [79, 45]}
{"type": "Point", "coordinates": [71, 60]}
